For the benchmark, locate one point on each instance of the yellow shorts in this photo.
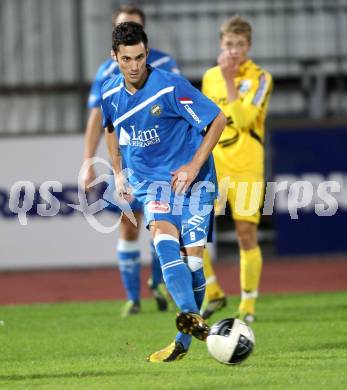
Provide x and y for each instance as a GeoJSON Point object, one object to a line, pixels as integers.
{"type": "Point", "coordinates": [245, 197]}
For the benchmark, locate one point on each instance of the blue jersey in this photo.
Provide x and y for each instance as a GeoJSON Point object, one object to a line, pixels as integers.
{"type": "Point", "coordinates": [109, 68]}
{"type": "Point", "coordinates": [159, 129]}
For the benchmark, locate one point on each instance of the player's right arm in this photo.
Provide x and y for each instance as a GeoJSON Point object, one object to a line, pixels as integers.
{"type": "Point", "coordinates": [94, 126]}
{"type": "Point", "coordinates": [114, 152]}
{"type": "Point", "coordinates": [113, 149]}
{"type": "Point", "coordinates": [91, 142]}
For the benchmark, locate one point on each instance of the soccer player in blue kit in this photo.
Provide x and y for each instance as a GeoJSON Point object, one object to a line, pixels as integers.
{"type": "Point", "coordinates": [155, 122]}
{"type": "Point", "coordinates": [128, 247]}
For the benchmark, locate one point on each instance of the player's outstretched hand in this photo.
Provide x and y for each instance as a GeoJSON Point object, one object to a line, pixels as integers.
{"type": "Point", "coordinates": [183, 177]}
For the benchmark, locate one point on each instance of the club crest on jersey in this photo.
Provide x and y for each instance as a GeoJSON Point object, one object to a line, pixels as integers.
{"type": "Point", "coordinates": [139, 138]}
{"type": "Point", "coordinates": [158, 207]}
{"type": "Point", "coordinates": [156, 110]}
{"type": "Point", "coordinates": [245, 85]}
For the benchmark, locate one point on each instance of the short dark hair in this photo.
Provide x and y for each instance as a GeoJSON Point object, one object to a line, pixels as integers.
{"type": "Point", "coordinates": [130, 9]}
{"type": "Point", "coordinates": [128, 34]}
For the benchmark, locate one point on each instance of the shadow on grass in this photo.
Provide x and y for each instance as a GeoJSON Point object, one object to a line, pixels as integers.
{"type": "Point", "coordinates": [95, 374]}
{"type": "Point", "coordinates": [323, 347]}
{"type": "Point", "coordinates": [91, 374]}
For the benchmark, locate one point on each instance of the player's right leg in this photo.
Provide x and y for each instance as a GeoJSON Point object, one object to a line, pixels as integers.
{"type": "Point", "coordinates": [156, 282]}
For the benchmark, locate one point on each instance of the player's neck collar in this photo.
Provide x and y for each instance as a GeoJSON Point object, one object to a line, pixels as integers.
{"type": "Point", "coordinates": [149, 71]}
{"type": "Point", "coordinates": [245, 64]}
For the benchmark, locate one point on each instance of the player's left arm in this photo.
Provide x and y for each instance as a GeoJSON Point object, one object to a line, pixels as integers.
{"type": "Point", "coordinates": [113, 149]}
{"type": "Point", "coordinates": [183, 177]}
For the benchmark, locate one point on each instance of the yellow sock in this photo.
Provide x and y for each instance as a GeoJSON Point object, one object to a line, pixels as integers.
{"type": "Point", "coordinates": [213, 289]}
{"type": "Point", "coordinates": [250, 271]}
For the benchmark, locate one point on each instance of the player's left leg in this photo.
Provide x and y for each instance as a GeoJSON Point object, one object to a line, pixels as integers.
{"type": "Point", "coordinates": [128, 247]}
{"type": "Point", "coordinates": [128, 253]}
{"type": "Point", "coordinates": [189, 323]}
{"type": "Point", "coordinates": [197, 229]}
{"type": "Point", "coordinates": [250, 268]}
{"type": "Point", "coordinates": [191, 230]}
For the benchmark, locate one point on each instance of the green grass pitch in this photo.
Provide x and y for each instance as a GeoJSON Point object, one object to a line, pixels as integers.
{"type": "Point", "coordinates": [301, 343]}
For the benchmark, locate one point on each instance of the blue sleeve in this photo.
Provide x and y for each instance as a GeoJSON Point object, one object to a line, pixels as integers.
{"type": "Point", "coordinates": [192, 105]}
{"type": "Point", "coordinates": [94, 99]}
{"type": "Point", "coordinates": [171, 66]}
{"type": "Point", "coordinates": [106, 117]}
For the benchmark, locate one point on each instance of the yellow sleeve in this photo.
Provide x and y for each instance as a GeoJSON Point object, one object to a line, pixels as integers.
{"type": "Point", "coordinates": [244, 110]}
{"type": "Point", "coordinates": [204, 84]}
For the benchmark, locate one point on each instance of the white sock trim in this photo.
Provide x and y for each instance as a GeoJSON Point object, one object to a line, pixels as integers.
{"type": "Point", "coordinates": [249, 295]}
{"type": "Point", "coordinates": [200, 288]}
{"type": "Point", "coordinates": [128, 262]}
{"type": "Point", "coordinates": [164, 237]}
{"type": "Point", "coordinates": [210, 279]}
{"type": "Point", "coordinates": [170, 264]}
{"type": "Point", "coordinates": [128, 246]}
{"type": "Point", "coordinates": [194, 263]}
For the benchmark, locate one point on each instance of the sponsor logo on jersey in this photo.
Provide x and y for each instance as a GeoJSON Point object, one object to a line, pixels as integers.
{"type": "Point", "coordinates": [192, 113]}
{"type": "Point", "coordinates": [185, 100]}
{"type": "Point", "coordinates": [156, 110]}
{"type": "Point", "coordinates": [124, 138]}
{"type": "Point", "coordinates": [245, 86]}
{"type": "Point", "coordinates": [158, 207]}
{"type": "Point", "coordinates": [139, 138]}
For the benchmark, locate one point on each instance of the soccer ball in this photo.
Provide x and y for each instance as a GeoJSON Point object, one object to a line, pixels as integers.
{"type": "Point", "coordinates": [230, 341]}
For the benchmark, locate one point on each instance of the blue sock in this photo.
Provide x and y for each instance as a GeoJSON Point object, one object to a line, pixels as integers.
{"type": "Point", "coordinates": [176, 274]}
{"type": "Point", "coordinates": [130, 267]}
{"type": "Point", "coordinates": [195, 265]}
{"type": "Point", "coordinates": [157, 275]}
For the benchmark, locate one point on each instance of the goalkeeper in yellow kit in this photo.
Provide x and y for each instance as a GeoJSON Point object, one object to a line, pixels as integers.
{"type": "Point", "coordinates": [242, 90]}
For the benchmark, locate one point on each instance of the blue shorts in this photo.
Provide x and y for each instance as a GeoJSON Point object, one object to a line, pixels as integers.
{"type": "Point", "coordinates": [195, 228]}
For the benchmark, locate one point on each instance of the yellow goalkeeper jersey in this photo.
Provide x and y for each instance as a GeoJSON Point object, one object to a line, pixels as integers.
{"type": "Point", "coordinates": [240, 150]}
